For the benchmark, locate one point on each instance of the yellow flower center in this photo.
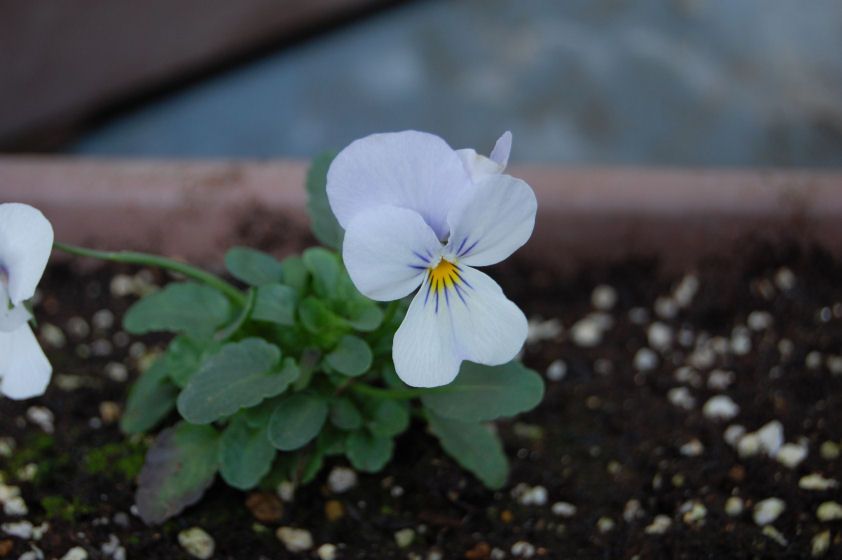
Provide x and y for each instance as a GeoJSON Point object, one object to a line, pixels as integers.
{"type": "Point", "coordinates": [444, 276]}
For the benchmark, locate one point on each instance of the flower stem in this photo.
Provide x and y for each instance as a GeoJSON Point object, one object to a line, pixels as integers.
{"type": "Point", "coordinates": [147, 259]}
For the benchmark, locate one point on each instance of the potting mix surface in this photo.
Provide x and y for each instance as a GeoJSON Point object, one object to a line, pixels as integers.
{"type": "Point", "coordinates": [695, 414]}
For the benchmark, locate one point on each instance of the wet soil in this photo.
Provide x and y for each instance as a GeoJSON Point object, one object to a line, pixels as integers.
{"type": "Point", "coordinates": [610, 438]}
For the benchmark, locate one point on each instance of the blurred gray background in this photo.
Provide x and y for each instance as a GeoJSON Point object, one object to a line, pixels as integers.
{"type": "Point", "coordinates": [666, 82]}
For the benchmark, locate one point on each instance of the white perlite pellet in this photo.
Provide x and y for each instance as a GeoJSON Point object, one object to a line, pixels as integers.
{"type": "Point", "coordinates": [604, 297]}
{"type": "Point", "coordinates": [720, 407]}
{"type": "Point", "coordinates": [768, 510]}
{"type": "Point", "coordinates": [659, 525]}
{"type": "Point", "coordinates": [557, 370]}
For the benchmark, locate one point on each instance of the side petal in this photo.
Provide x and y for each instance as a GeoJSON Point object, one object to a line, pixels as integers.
{"type": "Point", "coordinates": [24, 369]}
{"type": "Point", "coordinates": [12, 318]}
{"type": "Point", "coordinates": [489, 329]}
{"type": "Point", "coordinates": [491, 221]}
{"type": "Point", "coordinates": [26, 240]}
{"type": "Point", "coordinates": [408, 169]}
{"type": "Point", "coordinates": [479, 166]}
{"type": "Point", "coordinates": [387, 251]}
{"type": "Point", "coordinates": [424, 349]}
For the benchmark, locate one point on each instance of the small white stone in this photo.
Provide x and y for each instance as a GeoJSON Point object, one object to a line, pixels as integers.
{"type": "Point", "coordinates": [586, 332]}
{"type": "Point", "coordinates": [834, 364]}
{"type": "Point", "coordinates": [539, 330]}
{"type": "Point", "coordinates": [749, 445]}
{"type": "Point", "coordinates": [830, 450]}
{"type": "Point", "coordinates": [75, 553]}
{"type": "Point", "coordinates": [557, 370]}
{"type": "Point", "coordinates": [645, 360]}
{"type": "Point", "coordinates": [785, 347]}
{"type": "Point", "coordinates": [686, 290]}
{"type": "Point", "coordinates": [681, 397]}
{"type": "Point", "coordinates": [817, 482]}
{"type": "Point", "coordinates": [733, 433]}
{"type": "Point", "coordinates": [113, 549]}
{"type": "Point", "coordinates": [694, 512]}
{"type": "Point", "coordinates": [632, 511]}
{"type": "Point", "coordinates": [117, 372]}
{"type": "Point", "coordinates": [563, 509]}
{"type": "Point", "coordinates": [666, 307]}
{"type": "Point", "coordinates": [295, 540]}
{"type": "Point", "coordinates": [326, 552]}
{"type": "Point", "coordinates": [820, 544]}
{"type": "Point", "coordinates": [813, 360]}
{"type": "Point", "coordinates": [103, 319]}
{"type": "Point", "coordinates": [734, 506]}
{"type": "Point", "coordinates": [659, 336]}
{"type": "Point", "coordinates": [829, 511]}
{"type": "Point", "coordinates": [41, 417]}
{"type": "Point", "coordinates": [197, 543]}
{"type": "Point", "coordinates": [720, 407]}
{"type": "Point", "coordinates": [692, 448]}
{"type": "Point", "coordinates": [523, 549]}
{"type": "Point", "coordinates": [759, 320]}
{"type": "Point", "coordinates": [791, 455]}
{"type": "Point", "coordinates": [341, 479]}
{"type": "Point", "coordinates": [530, 495]}
{"type": "Point", "coordinates": [688, 375]}
{"type": "Point", "coordinates": [15, 507]}
{"type": "Point", "coordinates": [771, 437]}
{"type": "Point", "coordinates": [785, 279]}
{"type": "Point", "coordinates": [8, 491]}
{"type": "Point", "coordinates": [659, 525]}
{"type": "Point", "coordinates": [775, 535]}
{"type": "Point", "coordinates": [702, 357]}
{"type": "Point", "coordinates": [719, 380]}
{"type": "Point", "coordinates": [53, 336]}
{"type": "Point", "coordinates": [740, 341]}
{"type": "Point", "coordinates": [604, 297]}
{"type": "Point", "coordinates": [286, 491]}
{"type": "Point", "coordinates": [404, 537]}
{"type": "Point", "coordinates": [768, 510]}
{"type": "Point", "coordinates": [498, 554]}
{"type": "Point", "coordinates": [605, 524]}
{"type": "Point", "coordinates": [19, 529]}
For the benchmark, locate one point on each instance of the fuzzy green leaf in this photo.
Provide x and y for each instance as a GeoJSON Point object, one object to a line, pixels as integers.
{"type": "Point", "coordinates": [275, 304]}
{"type": "Point", "coordinates": [474, 447]}
{"type": "Point", "coordinates": [483, 393]}
{"type": "Point", "coordinates": [253, 267]}
{"type": "Point", "coordinates": [363, 314]}
{"type": "Point", "coordinates": [239, 376]}
{"type": "Point", "coordinates": [179, 467]}
{"type": "Point", "coordinates": [184, 357]}
{"type": "Point", "coordinates": [388, 418]}
{"type": "Point", "coordinates": [245, 454]}
{"type": "Point", "coordinates": [325, 269]}
{"type": "Point", "coordinates": [345, 415]}
{"type": "Point", "coordinates": [368, 452]}
{"type": "Point", "coordinates": [150, 400]}
{"type": "Point", "coordinates": [352, 356]}
{"type": "Point", "coordinates": [184, 307]}
{"type": "Point", "coordinates": [322, 221]}
{"type": "Point", "coordinates": [297, 419]}
{"type": "Point", "coordinates": [295, 274]}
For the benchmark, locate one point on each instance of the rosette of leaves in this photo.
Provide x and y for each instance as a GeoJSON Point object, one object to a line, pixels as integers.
{"type": "Point", "coordinates": [269, 386]}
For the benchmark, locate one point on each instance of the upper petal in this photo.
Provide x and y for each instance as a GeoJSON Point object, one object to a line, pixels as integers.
{"type": "Point", "coordinates": [492, 220]}
{"type": "Point", "coordinates": [409, 169]}
{"type": "Point", "coordinates": [424, 348]}
{"type": "Point", "coordinates": [489, 329]}
{"type": "Point", "coordinates": [387, 251]}
{"type": "Point", "coordinates": [24, 369]}
{"type": "Point", "coordinates": [26, 240]}
{"type": "Point", "coordinates": [478, 166]}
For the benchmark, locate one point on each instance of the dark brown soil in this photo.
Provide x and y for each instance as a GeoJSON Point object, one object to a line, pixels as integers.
{"type": "Point", "coordinates": [605, 435]}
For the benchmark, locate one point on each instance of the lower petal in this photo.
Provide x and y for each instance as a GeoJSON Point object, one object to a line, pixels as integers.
{"type": "Point", "coordinates": [24, 369]}
{"type": "Point", "coordinates": [489, 328]}
{"type": "Point", "coordinates": [424, 349]}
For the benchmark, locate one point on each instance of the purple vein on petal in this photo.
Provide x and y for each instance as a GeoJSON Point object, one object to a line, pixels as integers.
{"type": "Point", "coordinates": [462, 253]}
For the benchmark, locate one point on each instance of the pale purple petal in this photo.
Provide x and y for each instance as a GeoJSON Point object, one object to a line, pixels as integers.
{"type": "Point", "coordinates": [24, 369]}
{"type": "Point", "coordinates": [26, 240]}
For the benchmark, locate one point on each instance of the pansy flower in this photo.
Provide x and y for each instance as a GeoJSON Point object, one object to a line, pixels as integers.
{"type": "Point", "coordinates": [26, 239]}
{"type": "Point", "coordinates": [418, 214]}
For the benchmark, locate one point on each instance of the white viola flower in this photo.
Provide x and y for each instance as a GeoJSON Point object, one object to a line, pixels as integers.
{"type": "Point", "coordinates": [417, 213]}
{"type": "Point", "coordinates": [26, 240]}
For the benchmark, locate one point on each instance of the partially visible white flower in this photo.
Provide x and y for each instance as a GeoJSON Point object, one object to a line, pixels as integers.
{"type": "Point", "coordinates": [418, 213]}
{"type": "Point", "coordinates": [26, 239]}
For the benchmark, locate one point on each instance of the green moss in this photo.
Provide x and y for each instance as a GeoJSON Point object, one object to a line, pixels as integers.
{"type": "Point", "coordinates": [35, 449]}
{"type": "Point", "coordinates": [58, 507]}
{"type": "Point", "coordinates": [123, 459]}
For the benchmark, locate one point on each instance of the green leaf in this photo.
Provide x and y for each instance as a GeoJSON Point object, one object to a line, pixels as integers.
{"type": "Point", "coordinates": [184, 357]}
{"type": "Point", "coordinates": [240, 320]}
{"type": "Point", "coordinates": [319, 320]}
{"type": "Point", "coordinates": [179, 467]}
{"type": "Point", "coordinates": [297, 420]}
{"type": "Point", "coordinates": [474, 447]}
{"type": "Point", "coordinates": [322, 221]}
{"type": "Point", "coordinates": [352, 356]}
{"type": "Point", "coordinates": [295, 274]}
{"type": "Point", "coordinates": [253, 267]}
{"type": "Point", "coordinates": [388, 418]}
{"type": "Point", "coordinates": [184, 307]}
{"type": "Point", "coordinates": [151, 399]}
{"type": "Point", "coordinates": [482, 393]}
{"type": "Point", "coordinates": [239, 376]}
{"type": "Point", "coordinates": [275, 304]}
{"type": "Point", "coordinates": [364, 315]}
{"type": "Point", "coordinates": [326, 271]}
{"type": "Point", "coordinates": [245, 454]}
{"type": "Point", "coordinates": [368, 452]}
{"type": "Point", "coordinates": [345, 415]}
